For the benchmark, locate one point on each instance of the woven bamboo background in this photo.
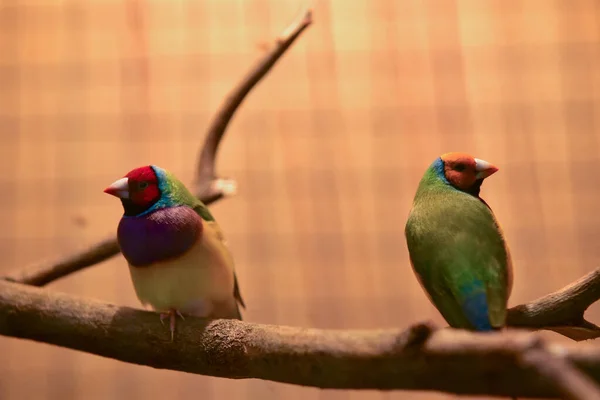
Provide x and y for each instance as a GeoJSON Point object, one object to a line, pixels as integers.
{"type": "Point", "coordinates": [327, 152]}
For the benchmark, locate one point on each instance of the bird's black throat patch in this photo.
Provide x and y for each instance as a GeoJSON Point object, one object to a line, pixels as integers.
{"type": "Point", "coordinates": [131, 209]}
{"type": "Point", "coordinates": [476, 188]}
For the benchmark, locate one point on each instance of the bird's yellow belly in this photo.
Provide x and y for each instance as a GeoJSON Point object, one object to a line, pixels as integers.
{"type": "Point", "coordinates": [190, 284]}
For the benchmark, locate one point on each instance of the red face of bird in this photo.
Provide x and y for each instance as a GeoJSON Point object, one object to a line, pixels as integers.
{"type": "Point", "coordinates": [463, 170]}
{"type": "Point", "coordinates": [139, 186]}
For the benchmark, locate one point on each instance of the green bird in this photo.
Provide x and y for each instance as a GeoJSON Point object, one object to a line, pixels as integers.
{"type": "Point", "coordinates": [457, 249]}
{"type": "Point", "coordinates": [178, 258]}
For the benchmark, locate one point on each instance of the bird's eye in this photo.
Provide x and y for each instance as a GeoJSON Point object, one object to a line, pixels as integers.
{"type": "Point", "coordinates": [459, 167]}
{"type": "Point", "coordinates": [143, 185]}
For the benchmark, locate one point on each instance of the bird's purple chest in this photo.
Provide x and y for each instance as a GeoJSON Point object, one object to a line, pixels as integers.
{"type": "Point", "coordinates": [158, 236]}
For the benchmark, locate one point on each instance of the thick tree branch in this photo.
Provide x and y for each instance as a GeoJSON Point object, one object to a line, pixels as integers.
{"type": "Point", "coordinates": [209, 188]}
{"type": "Point", "coordinates": [420, 358]}
{"type": "Point", "coordinates": [571, 383]}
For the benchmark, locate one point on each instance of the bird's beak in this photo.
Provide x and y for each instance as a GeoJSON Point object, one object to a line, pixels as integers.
{"type": "Point", "coordinates": [119, 188]}
{"type": "Point", "coordinates": [484, 168]}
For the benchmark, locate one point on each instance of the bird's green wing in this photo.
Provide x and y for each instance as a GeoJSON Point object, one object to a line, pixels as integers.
{"type": "Point", "coordinates": [205, 214]}
{"type": "Point", "coordinates": [459, 255]}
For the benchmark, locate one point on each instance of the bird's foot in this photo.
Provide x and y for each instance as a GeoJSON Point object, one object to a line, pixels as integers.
{"type": "Point", "coordinates": [172, 314]}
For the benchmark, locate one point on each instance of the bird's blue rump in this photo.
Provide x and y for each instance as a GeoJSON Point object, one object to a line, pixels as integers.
{"type": "Point", "coordinates": [475, 305]}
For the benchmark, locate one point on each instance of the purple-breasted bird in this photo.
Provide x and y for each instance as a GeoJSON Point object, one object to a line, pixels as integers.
{"type": "Point", "coordinates": [456, 246]}
{"type": "Point", "coordinates": [178, 258]}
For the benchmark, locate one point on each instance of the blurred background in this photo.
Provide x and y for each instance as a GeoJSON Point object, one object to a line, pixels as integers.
{"type": "Point", "coordinates": [327, 152]}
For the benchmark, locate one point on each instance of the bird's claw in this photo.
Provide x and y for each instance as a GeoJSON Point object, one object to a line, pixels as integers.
{"type": "Point", "coordinates": [172, 314]}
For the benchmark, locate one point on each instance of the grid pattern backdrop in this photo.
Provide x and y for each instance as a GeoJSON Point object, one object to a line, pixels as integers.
{"type": "Point", "coordinates": [327, 151]}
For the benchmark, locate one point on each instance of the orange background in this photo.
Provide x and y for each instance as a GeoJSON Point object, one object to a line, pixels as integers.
{"type": "Point", "coordinates": [327, 152]}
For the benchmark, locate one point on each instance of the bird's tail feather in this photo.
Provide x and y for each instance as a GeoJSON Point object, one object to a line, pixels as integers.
{"type": "Point", "coordinates": [229, 309]}
{"type": "Point", "coordinates": [238, 313]}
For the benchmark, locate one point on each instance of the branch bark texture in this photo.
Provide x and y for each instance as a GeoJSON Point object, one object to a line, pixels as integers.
{"type": "Point", "coordinates": [570, 382]}
{"type": "Point", "coordinates": [420, 358]}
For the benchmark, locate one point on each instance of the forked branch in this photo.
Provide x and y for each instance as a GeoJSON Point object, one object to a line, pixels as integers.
{"type": "Point", "coordinates": [209, 188]}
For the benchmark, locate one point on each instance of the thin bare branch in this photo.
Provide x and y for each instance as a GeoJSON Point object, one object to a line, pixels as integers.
{"type": "Point", "coordinates": [206, 178]}
{"type": "Point", "coordinates": [45, 272]}
{"type": "Point", "coordinates": [209, 188]}
{"type": "Point", "coordinates": [420, 358]}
